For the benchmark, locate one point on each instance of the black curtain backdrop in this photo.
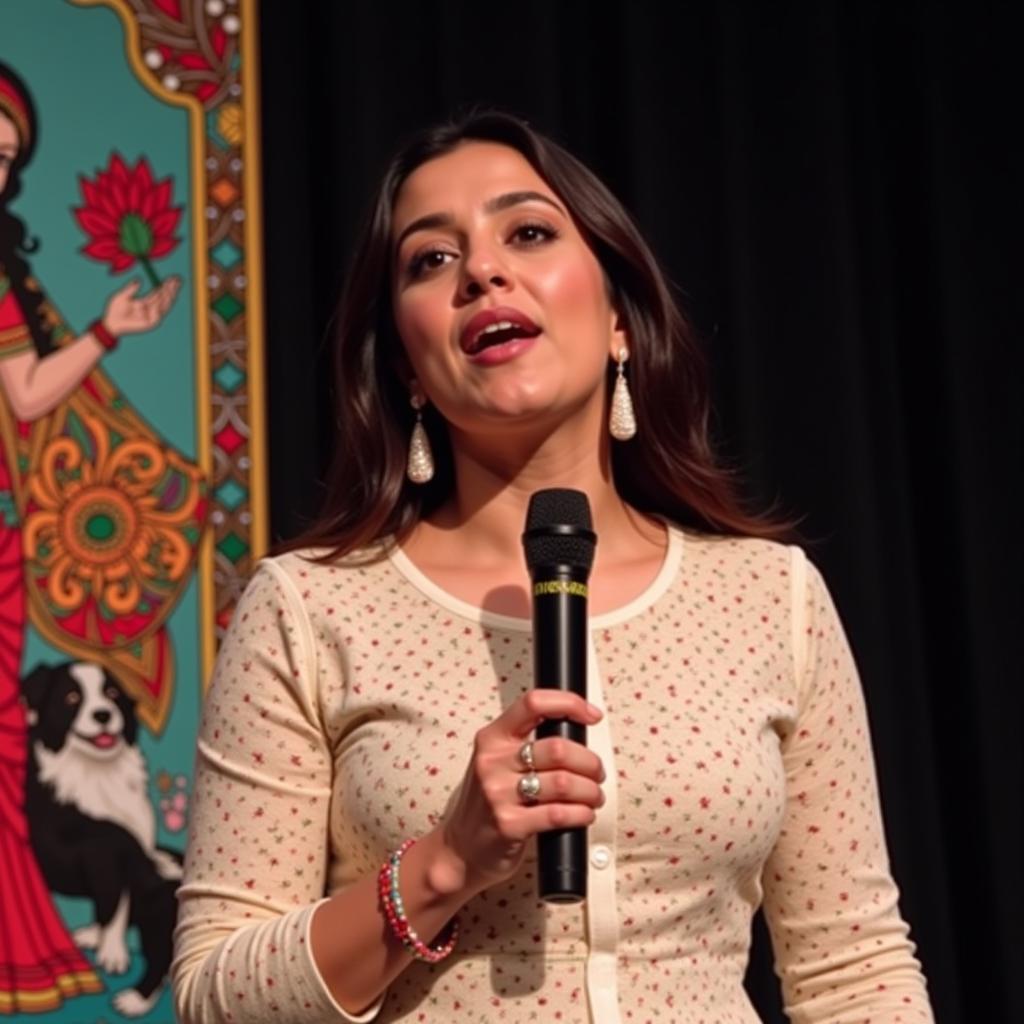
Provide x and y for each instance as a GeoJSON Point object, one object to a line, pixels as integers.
{"type": "Point", "coordinates": [833, 188]}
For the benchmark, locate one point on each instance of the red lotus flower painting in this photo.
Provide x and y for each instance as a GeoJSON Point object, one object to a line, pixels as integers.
{"type": "Point", "coordinates": [128, 216]}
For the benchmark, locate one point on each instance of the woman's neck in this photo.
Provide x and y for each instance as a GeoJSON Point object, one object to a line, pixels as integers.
{"type": "Point", "coordinates": [481, 525]}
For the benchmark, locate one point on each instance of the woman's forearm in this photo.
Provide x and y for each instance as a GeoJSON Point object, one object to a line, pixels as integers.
{"type": "Point", "coordinates": [34, 386]}
{"type": "Point", "coordinates": [351, 941]}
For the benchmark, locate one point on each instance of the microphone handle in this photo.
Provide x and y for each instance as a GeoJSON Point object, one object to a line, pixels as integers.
{"type": "Point", "coordinates": [560, 662]}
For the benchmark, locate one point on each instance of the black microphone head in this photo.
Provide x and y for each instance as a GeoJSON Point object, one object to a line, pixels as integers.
{"type": "Point", "coordinates": [559, 530]}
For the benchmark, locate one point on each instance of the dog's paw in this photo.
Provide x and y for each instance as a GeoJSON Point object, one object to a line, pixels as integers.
{"type": "Point", "coordinates": [174, 802]}
{"type": "Point", "coordinates": [87, 937]}
{"type": "Point", "coordinates": [112, 953]}
{"type": "Point", "coordinates": [130, 1003]}
{"type": "Point", "coordinates": [167, 866]}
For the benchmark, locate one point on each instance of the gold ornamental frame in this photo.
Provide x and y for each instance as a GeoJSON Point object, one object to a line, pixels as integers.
{"type": "Point", "coordinates": [203, 56]}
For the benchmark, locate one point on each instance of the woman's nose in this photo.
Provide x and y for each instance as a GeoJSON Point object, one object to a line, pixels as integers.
{"type": "Point", "coordinates": [482, 270]}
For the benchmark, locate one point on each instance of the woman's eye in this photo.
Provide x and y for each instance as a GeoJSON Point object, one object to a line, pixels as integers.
{"type": "Point", "coordinates": [524, 235]}
{"type": "Point", "coordinates": [429, 260]}
{"type": "Point", "coordinates": [534, 234]}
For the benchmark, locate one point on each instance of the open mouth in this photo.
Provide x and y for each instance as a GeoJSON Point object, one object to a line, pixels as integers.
{"type": "Point", "coordinates": [499, 334]}
{"type": "Point", "coordinates": [102, 740]}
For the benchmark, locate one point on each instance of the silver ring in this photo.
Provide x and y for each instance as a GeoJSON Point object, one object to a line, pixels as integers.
{"type": "Point", "coordinates": [526, 755]}
{"type": "Point", "coordinates": [529, 788]}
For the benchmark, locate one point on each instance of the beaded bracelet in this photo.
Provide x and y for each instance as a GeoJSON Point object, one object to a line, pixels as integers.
{"type": "Point", "coordinates": [101, 334]}
{"type": "Point", "coordinates": [394, 911]}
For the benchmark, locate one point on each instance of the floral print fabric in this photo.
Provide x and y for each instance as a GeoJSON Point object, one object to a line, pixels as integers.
{"type": "Point", "coordinates": [340, 720]}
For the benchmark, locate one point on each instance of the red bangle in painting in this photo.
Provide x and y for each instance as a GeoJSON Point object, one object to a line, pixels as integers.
{"type": "Point", "coordinates": [102, 335]}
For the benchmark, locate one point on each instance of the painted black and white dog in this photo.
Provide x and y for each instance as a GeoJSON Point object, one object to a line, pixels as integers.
{"type": "Point", "coordinates": [92, 826]}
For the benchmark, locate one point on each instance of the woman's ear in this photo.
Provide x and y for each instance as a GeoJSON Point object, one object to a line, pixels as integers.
{"type": "Point", "coordinates": [618, 336]}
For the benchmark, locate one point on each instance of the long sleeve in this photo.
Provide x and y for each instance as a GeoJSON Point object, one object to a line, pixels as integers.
{"type": "Point", "coordinates": [841, 948]}
{"type": "Point", "coordinates": [256, 861]}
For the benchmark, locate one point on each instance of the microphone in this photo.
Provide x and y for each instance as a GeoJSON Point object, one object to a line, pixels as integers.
{"type": "Point", "coordinates": [559, 542]}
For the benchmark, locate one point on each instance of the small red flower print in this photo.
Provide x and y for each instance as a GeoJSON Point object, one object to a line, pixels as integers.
{"type": "Point", "coordinates": [128, 216]}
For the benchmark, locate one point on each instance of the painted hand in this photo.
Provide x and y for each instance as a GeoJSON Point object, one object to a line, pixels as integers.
{"type": "Point", "coordinates": [126, 314]}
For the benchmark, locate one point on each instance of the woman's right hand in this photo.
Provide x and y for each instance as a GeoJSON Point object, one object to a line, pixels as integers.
{"type": "Point", "coordinates": [487, 824]}
{"type": "Point", "coordinates": [126, 314]}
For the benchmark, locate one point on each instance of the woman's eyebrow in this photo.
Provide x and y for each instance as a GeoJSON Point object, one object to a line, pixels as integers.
{"type": "Point", "coordinates": [495, 205]}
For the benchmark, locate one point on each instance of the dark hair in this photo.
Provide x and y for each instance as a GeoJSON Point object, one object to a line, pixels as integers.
{"type": "Point", "coordinates": [668, 469]}
{"type": "Point", "coordinates": [15, 242]}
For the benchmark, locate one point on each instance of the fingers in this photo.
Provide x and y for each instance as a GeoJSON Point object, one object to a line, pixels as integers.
{"type": "Point", "coordinates": [565, 800]}
{"type": "Point", "coordinates": [555, 753]}
{"type": "Point", "coordinates": [491, 816]}
{"type": "Point", "coordinates": [159, 301]}
{"type": "Point", "coordinates": [564, 787]}
{"type": "Point", "coordinates": [170, 292]}
{"type": "Point", "coordinates": [152, 309]}
{"type": "Point", "coordinates": [519, 823]}
{"type": "Point", "coordinates": [526, 713]}
{"type": "Point", "coordinates": [127, 314]}
{"type": "Point", "coordinates": [129, 290]}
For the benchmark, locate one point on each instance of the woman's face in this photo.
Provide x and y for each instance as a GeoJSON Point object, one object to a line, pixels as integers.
{"type": "Point", "coordinates": [481, 241]}
{"type": "Point", "coordinates": [8, 149]}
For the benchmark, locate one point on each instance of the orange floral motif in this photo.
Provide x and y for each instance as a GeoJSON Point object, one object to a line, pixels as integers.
{"type": "Point", "coordinates": [101, 527]}
{"type": "Point", "coordinates": [229, 123]}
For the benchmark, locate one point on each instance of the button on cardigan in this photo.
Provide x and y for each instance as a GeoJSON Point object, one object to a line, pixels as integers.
{"type": "Point", "coordinates": [341, 717]}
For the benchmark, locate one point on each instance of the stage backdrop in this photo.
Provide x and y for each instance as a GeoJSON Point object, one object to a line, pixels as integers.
{"type": "Point", "coordinates": [138, 504]}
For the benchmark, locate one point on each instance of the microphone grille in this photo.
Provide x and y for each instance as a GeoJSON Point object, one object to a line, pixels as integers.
{"type": "Point", "coordinates": [559, 529]}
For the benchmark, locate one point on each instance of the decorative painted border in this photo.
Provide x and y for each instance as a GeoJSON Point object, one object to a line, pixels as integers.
{"type": "Point", "coordinates": [203, 55]}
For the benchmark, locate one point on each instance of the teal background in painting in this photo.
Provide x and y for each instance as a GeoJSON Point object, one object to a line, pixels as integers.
{"type": "Point", "coordinates": [89, 103]}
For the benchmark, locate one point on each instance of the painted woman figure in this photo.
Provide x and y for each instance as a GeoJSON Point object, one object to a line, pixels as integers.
{"type": "Point", "coordinates": [41, 365]}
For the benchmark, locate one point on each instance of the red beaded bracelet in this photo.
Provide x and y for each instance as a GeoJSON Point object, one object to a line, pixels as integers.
{"type": "Point", "coordinates": [391, 904]}
{"type": "Point", "coordinates": [102, 335]}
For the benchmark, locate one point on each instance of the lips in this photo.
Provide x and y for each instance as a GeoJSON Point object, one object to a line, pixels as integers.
{"type": "Point", "coordinates": [495, 326]}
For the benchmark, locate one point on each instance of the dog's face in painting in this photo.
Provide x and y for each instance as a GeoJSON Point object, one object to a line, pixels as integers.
{"type": "Point", "coordinates": [79, 706]}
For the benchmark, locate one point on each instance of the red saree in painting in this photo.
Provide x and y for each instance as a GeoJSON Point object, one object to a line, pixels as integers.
{"type": "Point", "coordinates": [40, 965]}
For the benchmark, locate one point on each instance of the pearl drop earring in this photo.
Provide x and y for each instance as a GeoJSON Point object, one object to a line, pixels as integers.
{"type": "Point", "coordinates": [622, 420]}
{"type": "Point", "coordinates": [420, 466]}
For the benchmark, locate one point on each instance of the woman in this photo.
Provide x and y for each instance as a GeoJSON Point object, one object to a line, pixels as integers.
{"type": "Point", "coordinates": [39, 963]}
{"type": "Point", "coordinates": [375, 685]}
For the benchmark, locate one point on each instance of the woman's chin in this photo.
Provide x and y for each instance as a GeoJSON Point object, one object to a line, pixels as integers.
{"type": "Point", "coordinates": [524, 416]}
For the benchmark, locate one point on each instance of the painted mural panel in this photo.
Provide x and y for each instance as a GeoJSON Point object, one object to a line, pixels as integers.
{"type": "Point", "coordinates": [132, 469]}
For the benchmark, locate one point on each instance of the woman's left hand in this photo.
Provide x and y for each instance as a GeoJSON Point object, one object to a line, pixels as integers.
{"type": "Point", "coordinates": [126, 314]}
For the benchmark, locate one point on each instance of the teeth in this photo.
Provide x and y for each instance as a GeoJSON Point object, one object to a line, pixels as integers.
{"type": "Point", "coordinates": [495, 328]}
{"type": "Point", "coordinates": [501, 325]}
